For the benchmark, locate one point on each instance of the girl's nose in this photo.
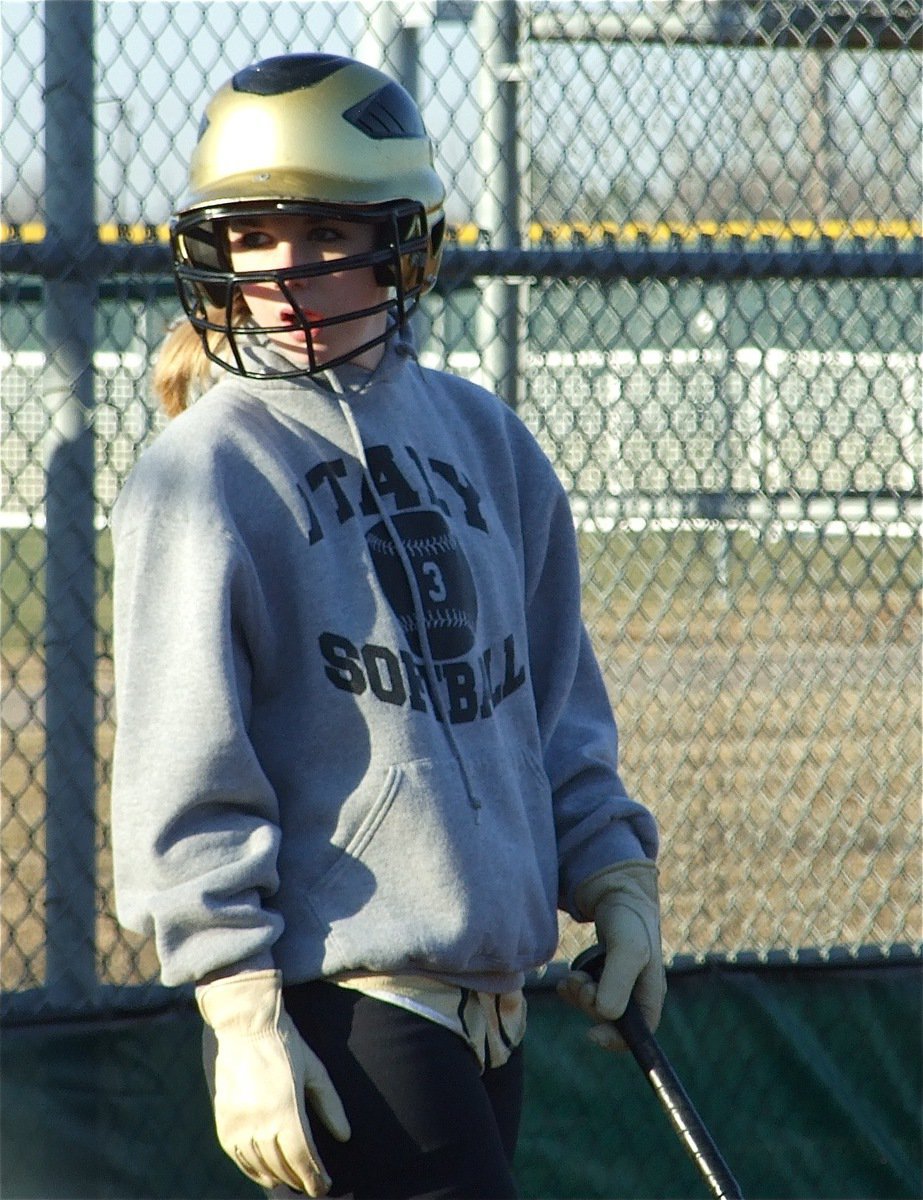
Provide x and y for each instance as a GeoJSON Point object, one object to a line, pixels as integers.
{"type": "Point", "coordinates": [298, 254]}
{"type": "Point", "coordinates": [289, 254]}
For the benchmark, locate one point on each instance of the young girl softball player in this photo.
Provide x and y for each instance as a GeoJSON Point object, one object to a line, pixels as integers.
{"type": "Point", "coordinates": [364, 750]}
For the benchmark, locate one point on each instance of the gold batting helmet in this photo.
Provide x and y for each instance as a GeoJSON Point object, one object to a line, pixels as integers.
{"type": "Point", "coordinates": [312, 134]}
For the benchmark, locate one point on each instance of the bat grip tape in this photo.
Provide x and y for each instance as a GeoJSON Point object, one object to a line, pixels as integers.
{"type": "Point", "coordinates": [667, 1087]}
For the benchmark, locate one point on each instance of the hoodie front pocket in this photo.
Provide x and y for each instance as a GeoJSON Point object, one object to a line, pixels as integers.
{"type": "Point", "coordinates": [403, 887]}
{"type": "Point", "coordinates": [368, 826]}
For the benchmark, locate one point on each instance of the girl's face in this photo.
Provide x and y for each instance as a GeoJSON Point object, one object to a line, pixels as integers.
{"type": "Point", "coordinates": [279, 241]}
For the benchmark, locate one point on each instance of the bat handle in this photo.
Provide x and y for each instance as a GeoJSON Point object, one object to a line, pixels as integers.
{"type": "Point", "coordinates": [638, 1037]}
{"type": "Point", "coordinates": [668, 1088]}
{"type": "Point", "coordinates": [676, 1103]}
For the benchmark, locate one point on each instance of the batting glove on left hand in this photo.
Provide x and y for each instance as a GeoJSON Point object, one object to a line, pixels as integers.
{"type": "Point", "coordinates": [624, 903]}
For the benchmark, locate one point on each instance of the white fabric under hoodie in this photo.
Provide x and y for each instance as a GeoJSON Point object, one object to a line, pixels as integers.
{"type": "Point", "coordinates": [360, 723]}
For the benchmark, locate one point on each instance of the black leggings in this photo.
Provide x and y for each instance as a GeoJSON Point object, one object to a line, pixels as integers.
{"type": "Point", "coordinates": [425, 1121]}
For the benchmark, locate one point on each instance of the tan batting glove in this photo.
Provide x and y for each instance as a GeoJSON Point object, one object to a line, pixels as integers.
{"type": "Point", "coordinates": [624, 903]}
{"type": "Point", "coordinates": [259, 1069]}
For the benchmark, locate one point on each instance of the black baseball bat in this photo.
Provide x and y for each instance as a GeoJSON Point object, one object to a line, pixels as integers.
{"type": "Point", "coordinates": [674, 1100]}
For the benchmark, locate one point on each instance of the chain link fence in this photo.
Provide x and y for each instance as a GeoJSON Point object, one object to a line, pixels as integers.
{"type": "Point", "coordinates": [685, 244]}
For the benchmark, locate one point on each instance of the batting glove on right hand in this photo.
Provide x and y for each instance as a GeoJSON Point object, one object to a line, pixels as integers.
{"type": "Point", "coordinates": [624, 903]}
{"type": "Point", "coordinates": [259, 1069]}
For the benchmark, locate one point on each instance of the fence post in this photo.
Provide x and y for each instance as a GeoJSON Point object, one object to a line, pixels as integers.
{"type": "Point", "coordinates": [391, 42]}
{"type": "Point", "coordinates": [499, 327]}
{"type": "Point", "coordinates": [70, 614]}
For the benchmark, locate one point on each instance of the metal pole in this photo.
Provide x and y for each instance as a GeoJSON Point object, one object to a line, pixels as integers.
{"type": "Point", "coordinates": [407, 70]}
{"type": "Point", "coordinates": [70, 617]}
{"type": "Point", "coordinates": [407, 55]}
{"type": "Point", "coordinates": [391, 42]}
{"type": "Point", "coordinates": [499, 208]}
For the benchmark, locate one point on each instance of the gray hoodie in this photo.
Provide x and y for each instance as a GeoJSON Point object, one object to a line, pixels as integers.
{"type": "Point", "coordinates": [360, 723]}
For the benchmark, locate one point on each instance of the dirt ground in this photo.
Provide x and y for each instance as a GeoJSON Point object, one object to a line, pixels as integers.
{"type": "Point", "coordinates": [774, 731]}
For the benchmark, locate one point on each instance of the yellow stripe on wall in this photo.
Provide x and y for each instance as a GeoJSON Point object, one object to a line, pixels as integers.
{"type": "Point", "coordinates": [566, 233]}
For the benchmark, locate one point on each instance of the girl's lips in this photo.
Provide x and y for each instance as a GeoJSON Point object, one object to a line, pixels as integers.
{"type": "Point", "coordinates": [308, 315]}
{"type": "Point", "coordinates": [297, 330]}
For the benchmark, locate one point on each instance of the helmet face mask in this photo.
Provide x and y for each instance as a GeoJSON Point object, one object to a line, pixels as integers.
{"type": "Point", "coordinates": [212, 290]}
{"type": "Point", "coordinates": [318, 137]}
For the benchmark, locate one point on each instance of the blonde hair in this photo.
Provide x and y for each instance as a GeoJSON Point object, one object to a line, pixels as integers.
{"type": "Point", "coordinates": [183, 371]}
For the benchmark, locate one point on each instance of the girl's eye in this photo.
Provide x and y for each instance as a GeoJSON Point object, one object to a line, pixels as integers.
{"type": "Point", "coordinates": [326, 233]}
{"type": "Point", "coordinates": [249, 239]}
